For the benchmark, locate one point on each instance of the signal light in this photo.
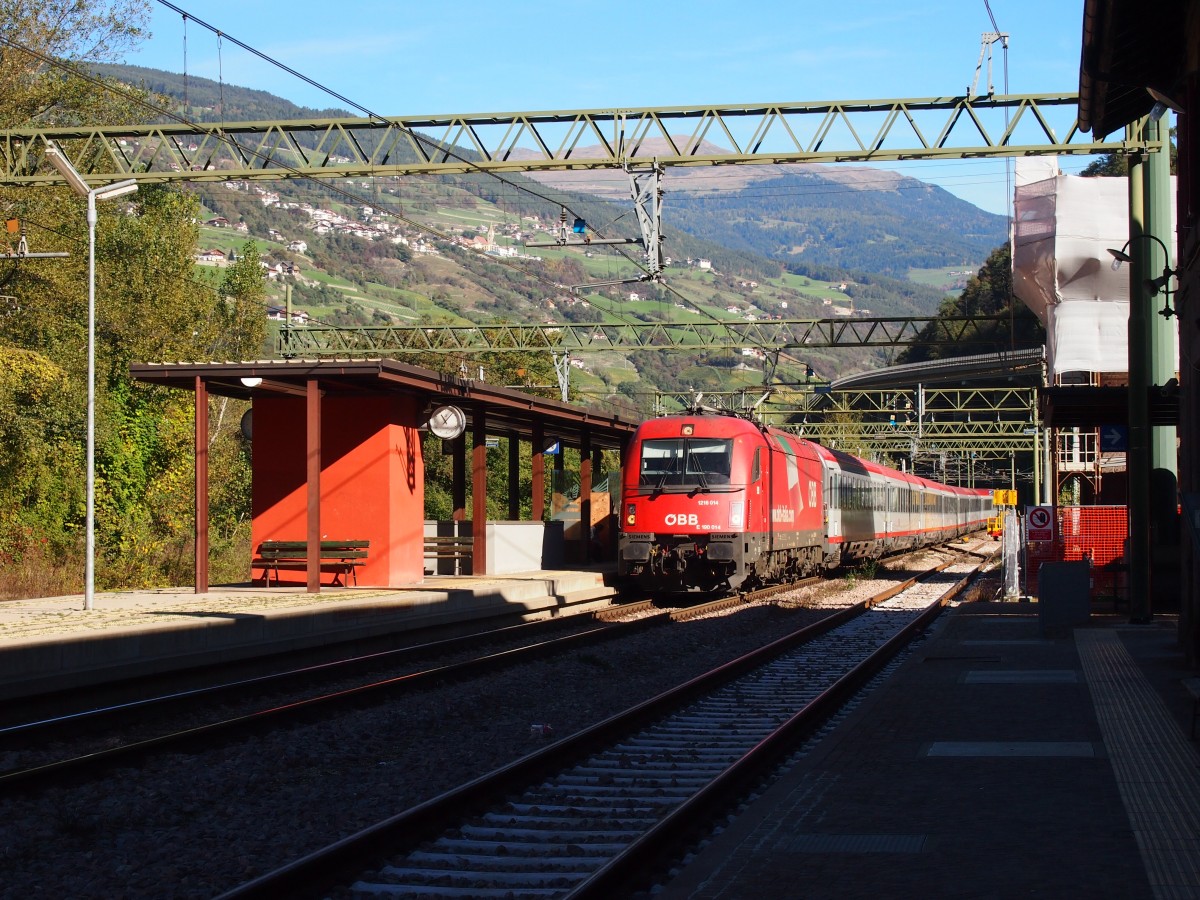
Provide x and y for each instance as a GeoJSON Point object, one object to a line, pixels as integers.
{"type": "Point", "coordinates": [687, 429]}
{"type": "Point", "coordinates": [630, 514]}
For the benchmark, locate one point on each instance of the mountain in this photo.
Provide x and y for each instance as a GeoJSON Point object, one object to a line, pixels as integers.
{"type": "Point", "coordinates": [808, 215]}
{"type": "Point", "coordinates": [746, 242]}
{"type": "Point", "coordinates": [854, 218]}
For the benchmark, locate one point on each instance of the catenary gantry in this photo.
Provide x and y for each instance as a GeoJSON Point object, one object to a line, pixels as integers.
{"type": "Point", "coordinates": [840, 131]}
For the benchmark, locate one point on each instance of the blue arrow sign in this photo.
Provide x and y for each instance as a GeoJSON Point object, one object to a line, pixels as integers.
{"type": "Point", "coordinates": [1113, 438]}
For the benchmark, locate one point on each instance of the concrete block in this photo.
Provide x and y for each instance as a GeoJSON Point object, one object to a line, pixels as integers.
{"type": "Point", "coordinates": [1064, 595]}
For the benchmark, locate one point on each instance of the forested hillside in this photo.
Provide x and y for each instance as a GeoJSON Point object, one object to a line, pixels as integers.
{"type": "Point", "coordinates": [150, 303]}
{"type": "Point", "coordinates": [807, 219]}
{"type": "Point", "coordinates": [180, 276]}
{"type": "Point", "coordinates": [852, 220]}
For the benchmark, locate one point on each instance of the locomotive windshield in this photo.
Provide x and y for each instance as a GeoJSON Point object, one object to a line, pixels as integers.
{"type": "Point", "coordinates": [685, 462]}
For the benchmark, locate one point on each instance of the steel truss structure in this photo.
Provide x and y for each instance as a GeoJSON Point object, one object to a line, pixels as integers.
{"type": "Point", "coordinates": [956, 127]}
{"type": "Point", "coordinates": [989, 422]}
{"type": "Point", "coordinates": [775, 334]}
{"type": "Point", "coordinates": [816, 132]}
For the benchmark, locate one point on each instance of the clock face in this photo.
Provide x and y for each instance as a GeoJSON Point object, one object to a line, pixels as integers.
{"type": "Point", "coordinates": [447, 422]}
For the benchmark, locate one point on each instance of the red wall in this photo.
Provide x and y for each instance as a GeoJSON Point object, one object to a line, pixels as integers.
{"type": "Point", "coordinates": [372, 481]}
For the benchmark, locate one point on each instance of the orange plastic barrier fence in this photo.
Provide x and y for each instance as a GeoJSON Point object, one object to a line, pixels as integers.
{"type": "Point", "coordinates": [1095, 533]}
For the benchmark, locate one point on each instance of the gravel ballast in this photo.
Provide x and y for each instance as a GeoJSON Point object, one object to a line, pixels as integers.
{"type": "Point", "coordinates": [194, 826]}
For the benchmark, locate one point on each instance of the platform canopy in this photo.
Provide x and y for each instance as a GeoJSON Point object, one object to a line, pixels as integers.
{"type": "Point", "coordinates": [1063, 228]}
{"type": "Point", "coordinates": [508, 410]}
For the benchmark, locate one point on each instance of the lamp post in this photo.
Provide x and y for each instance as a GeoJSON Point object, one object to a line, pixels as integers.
{"type": "Point", "coordinates": [1142, 454]}
{"type": "Point", "coordinates": [106, 192]}
{"type": "Point", "coordinates": [1152, 285]}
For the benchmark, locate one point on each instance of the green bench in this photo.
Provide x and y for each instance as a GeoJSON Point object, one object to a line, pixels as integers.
{"type": "Point", "coordinates": [456, 549]}
{"type": "Point", "coordinates": [342, 558]}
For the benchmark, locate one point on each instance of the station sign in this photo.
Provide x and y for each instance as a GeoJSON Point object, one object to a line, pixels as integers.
{"type": "Point", "coordinates": [1039, 523]}
{"type": "Point", "coordinates": [1114, 438]}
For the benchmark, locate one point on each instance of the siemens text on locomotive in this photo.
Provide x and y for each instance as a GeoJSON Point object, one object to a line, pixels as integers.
{"type": "Point", "coordinates": [717, 501]}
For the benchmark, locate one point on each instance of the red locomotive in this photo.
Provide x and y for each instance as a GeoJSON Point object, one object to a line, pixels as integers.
{"type": "Point", "coordinates": [718, 501]}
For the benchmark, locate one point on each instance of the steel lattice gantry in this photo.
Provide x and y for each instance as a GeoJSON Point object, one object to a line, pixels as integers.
{"type": "Point", "coordinates": [774, 334]}
{"type": "Point", "coordinates": [813, 132]}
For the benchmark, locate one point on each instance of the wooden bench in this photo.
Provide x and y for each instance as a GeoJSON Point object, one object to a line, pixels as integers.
{"type": "Point", "coordinates": [458, 549]}
{"type": "Point", "coordinates": [339, 557]}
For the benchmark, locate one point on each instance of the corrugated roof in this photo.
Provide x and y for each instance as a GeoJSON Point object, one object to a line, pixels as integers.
{"type": "Point", "coordinates": [1128, 48]}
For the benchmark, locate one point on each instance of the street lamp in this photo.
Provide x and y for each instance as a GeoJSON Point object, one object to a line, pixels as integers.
{"type": "Point", "coordinates": [106, 192]}
{"type": "Point", "coordinates": [1152, 285]}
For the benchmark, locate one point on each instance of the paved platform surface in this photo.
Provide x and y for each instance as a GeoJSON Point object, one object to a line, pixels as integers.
{"type": "Point", "coordinates": [994, 762]}
{"type": "Point", "coordinates": [53, 643]}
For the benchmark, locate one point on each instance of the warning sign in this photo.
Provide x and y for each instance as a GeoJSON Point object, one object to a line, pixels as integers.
{"type": "Point", "coordinates": [1039, 523]}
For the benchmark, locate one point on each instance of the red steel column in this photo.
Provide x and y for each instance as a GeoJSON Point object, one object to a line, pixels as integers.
{"type": "Point", "coordinates": [458, 478]}
{"type": "Point", "coordinates": [313, 419]}
{"type": "Point", "coordinates": [537, 447]}
{"type": "Point", "coordinates": [606, 537]}
{"type": "Point", "coordinates": [201, 486]}
{"type": "Point", "coordinates": [479, 491]}
{"type": "Point", "coordinates": [514, 476]}
{"type": "Point", "coordinates": [585, 493]}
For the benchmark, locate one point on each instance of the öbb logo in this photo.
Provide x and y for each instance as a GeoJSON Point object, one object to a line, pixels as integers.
{"type": "Point", "coordinates": [681, 519]}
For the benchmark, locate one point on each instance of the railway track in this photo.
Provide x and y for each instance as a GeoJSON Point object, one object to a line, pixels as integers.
{"type": "Point", "coordinates": [522, 644]}
{"type": "Point", "coordinates": [582, 817]}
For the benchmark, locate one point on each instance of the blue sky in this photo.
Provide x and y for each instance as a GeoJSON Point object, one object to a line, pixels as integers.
{"type": "Point", "coordinates": [466, 57]}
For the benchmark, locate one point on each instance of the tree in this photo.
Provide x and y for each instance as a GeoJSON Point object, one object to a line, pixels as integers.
{"type": "Point", "coordinates": [75, 31]}
{"type": "Point", "coordinates": [988, 293]}
{"type": "Point", "coordinates": [242, 314]}
{"type": "Point", "coordinates": [150, 307]}
{"type": "Point", "coordinates": [1112, 165]}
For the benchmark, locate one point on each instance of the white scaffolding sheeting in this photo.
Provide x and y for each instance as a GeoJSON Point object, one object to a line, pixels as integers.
{"type": "Point", "coordinates": [1062, 229]}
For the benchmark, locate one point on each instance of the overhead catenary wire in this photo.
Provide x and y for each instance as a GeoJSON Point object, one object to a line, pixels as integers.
{"type": "Point", "coordinates": [329, 186]}
{"type": "Point", "coordinates": [1009, 199]}
{"type": "Point", "coordinates": [441, 148]}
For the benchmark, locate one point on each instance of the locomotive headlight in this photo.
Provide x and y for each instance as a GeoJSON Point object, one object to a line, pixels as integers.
{"type": "Point", "coordinates": [630, 514]}
{"type": "Point", "coordinates": [737, 513]}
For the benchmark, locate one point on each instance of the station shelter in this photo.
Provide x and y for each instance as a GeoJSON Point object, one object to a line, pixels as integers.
{"type": "Point", "coordinates": [337, 455]}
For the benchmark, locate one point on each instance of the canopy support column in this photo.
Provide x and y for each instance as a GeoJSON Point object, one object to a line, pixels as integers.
{"type": "Point", "coordinates": [537, 461]}
{"type": "Point", "coordinates": [312, 399]}
{"type": "Point", "coordinates": [201, 486]}
{"type": "Point", "coordinates": [585, 494]}
{"type": "Point", "coordinates": [479, 491]}
{"type": "Point", "coordinates": [458, 477]}
{"type": "Point", "coordinates": [514, 476]}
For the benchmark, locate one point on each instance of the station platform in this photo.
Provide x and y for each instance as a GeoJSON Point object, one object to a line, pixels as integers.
{"type": "Point", "coordinates": [993, 762]}
{"type": "Point", "coordinates": [53, 644]}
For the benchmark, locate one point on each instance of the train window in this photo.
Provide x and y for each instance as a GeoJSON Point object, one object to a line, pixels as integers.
{"type": "Point", "coordinates": [756, 473]}
{"type": "Point", "coordinates": [685, 462]}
